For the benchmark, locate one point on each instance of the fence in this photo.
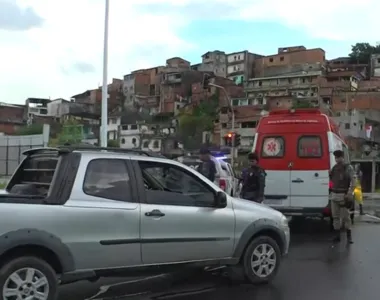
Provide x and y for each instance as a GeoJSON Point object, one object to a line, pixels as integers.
{"type": "Point", "coordinates": [12, 147]}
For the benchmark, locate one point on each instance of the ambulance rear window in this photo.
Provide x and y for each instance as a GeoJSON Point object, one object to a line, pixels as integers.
{"type": "Point", "coordinates": [309, 146]}
{"type": "Point", "coordinates": [273, 147]}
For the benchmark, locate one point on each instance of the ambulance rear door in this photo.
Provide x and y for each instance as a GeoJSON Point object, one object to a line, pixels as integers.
{"type": "Point", "coordinates": [309, 175]}
{"type": "Point", "coordinates": [273, 159]}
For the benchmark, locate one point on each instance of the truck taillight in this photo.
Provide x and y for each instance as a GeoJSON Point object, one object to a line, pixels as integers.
{"type": "Point", "coordinates": [222, 184]}
{"type": "Point", "coordinates": [330, 185]}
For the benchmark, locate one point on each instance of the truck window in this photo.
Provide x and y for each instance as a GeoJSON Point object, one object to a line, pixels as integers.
{"type": "Point", "coordinates": [107, 178]}
{"type": "Point", "coordinates": [309, 146]}
{"type": "Point", "coordinates": [273, 147]}
{"type": "Point", "coordinates": [168, 184]}
{"type": "Point", "coordinates": [34, 176]}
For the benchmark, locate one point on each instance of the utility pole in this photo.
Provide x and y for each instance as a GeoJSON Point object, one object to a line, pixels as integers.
{"type": "Point", "coordinates": [104, 115]}
{"type": "Point", "coordinates": [229, 103]}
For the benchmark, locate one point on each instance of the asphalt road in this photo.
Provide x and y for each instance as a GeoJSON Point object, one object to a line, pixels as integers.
{"type": "Point", "coordinates": [313, 270]}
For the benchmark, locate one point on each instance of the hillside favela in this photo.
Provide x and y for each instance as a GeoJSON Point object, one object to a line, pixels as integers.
{"type": "Point", "coordinates": [169, 109]}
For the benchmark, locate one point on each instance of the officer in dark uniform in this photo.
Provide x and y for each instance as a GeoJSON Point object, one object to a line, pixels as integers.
{"type": "Point", "coordinates": [207, 166]}
{"type": "Point", "coordinates": [253, 180]}
{"type": "Point", "coordinates": [341, 197]}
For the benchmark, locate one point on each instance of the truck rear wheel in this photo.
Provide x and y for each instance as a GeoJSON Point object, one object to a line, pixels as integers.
{"type": "Point", "coordinates": [261, 260]}
{"type": "Point", "coordinates": [28, 276]}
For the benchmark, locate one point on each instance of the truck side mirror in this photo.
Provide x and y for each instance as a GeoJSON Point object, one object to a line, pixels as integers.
{"type": "Point", "coordinates": [220, 200]}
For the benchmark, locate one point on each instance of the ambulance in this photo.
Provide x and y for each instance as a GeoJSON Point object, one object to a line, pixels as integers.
{"type": "Point", "coordinates": [296, 148]}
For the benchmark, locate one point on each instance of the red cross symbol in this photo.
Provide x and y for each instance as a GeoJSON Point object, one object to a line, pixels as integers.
{"type": "Point", "coordinates": [271, 147]}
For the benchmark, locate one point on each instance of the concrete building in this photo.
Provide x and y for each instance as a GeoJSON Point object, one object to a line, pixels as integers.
{"type": "Point", "coordinates": [92, 99]}
{"type": "Point", "coordinates": [289, 60]}
{"type": "Point", "coordinates": [341, 69]}
{"type": "Point", "coordinates": [213, 61]}
{"type": "Point", "coordinates": [285, 91]}
{"type": "Point", "coordinates": [355, 111]}
{"type": "Point", "coordinates": [375, 65]}
{"type": "Point", "coordinates": [58, 107]}
{"type": "Point", "coordinates": [140, 85]}
{"type": "Point", "coordinates": [12, 116]}
{"type": "Point", "coordinates": [241, 66]}
{"type": "Point", "coordinates": [36, 106]}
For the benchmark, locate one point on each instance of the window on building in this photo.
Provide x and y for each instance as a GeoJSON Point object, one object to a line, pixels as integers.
{"type": "Point", "coordinates": [309, 147]}
{"type": "Point", "coordinates": [260, 83]}
{"type": "Point", "coordinates": [326, 100]}
{"type": "Point", "coordinates": [133, 127]}
{"type": "Point", "coordinates": [290, 80]}
{"type": "Point", "coordinates": [134, 141]}
{"type": "Point", "coordinates": [347, 126]}
{"type": "Point", "coordinates": [123, 140]}
{"type": "Point", "coordinates": [109, 179]}
{"type": "Point", "coordinates": [271, 59]}
{"type": "Point", "coordinates": [261, 101]}
{"type": "Point", "coordinates": [156, 144]}
{"type": "Point", "coordinates": [251, 124]}
{"type": "Point", "coordinates": [224, 125]}
{"type": "Point", "coordinates": [152, 89]}
{"type": "Point", "coordinates": [281, 58]}
{"type": "Point", "coordinates": [146, 144]}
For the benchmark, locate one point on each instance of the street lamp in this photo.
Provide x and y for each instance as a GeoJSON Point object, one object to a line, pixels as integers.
{"type": "Point", "coordinates": [229, 103]}
{"type": "Point", "coordinates": [104, 115]}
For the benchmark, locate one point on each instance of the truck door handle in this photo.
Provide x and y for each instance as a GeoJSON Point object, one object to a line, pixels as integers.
{"type": "Point", "coordinates": [298, 180]}
{"type": "Point", "coordinates": [155, 213]}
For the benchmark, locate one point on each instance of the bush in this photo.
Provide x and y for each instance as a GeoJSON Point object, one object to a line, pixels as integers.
{"type": "Point", "coordinates": [113, 144]}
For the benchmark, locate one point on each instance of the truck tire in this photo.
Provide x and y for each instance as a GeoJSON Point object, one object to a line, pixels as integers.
{"type": "Point", "coordinates": [26, 276]}
{"type": "Point", "coordinates": [261, 260]}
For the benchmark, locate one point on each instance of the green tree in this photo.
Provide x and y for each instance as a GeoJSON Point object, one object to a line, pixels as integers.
{"type": "Point", "coordinates": [361, 52]}
{"type": "Point", "coordinates": [200, 119]}
{"type": "Point", "coordinates": [71, 132]}
{"type": "Point", "coordinates": [30, 130]}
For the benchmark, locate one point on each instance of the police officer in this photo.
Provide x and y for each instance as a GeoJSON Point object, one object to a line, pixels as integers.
{"type": "Point", "coordinates": [207, 166]}
{"type": "Point", "coordinates": [253, 180]}
{"type": "Point", "coordinates": [341, 196]}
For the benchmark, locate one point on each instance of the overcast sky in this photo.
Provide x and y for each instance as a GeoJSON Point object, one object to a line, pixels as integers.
{"type": "Point", "coordinates": [53, 48]}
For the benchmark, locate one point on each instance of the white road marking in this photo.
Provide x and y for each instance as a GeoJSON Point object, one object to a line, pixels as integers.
{"type": "Point", "coordinates": [373, 217]}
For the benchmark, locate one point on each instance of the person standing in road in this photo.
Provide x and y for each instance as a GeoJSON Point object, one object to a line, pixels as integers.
{"type": "Point", "coordinates": [343, 183]}
{"type": "Point", "coordinates": [253, 180]}
{"type": "Point", "coordinates": [207, 166]}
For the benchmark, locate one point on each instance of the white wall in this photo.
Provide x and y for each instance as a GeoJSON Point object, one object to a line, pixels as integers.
{"type": "Point", "coordinates": [235, 57]}
{"type": "Point", "coordinates": [235, 68]}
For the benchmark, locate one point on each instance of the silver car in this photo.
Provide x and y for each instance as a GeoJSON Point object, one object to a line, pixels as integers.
{"type": "Point", "coordinates": [75, 214]}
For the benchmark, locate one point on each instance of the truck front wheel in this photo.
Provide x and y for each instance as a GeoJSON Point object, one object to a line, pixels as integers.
{"type": "Point", "coordinates": [28, 277]}
{"type": "Point", "coordinates": [261, 260]}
